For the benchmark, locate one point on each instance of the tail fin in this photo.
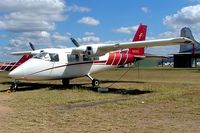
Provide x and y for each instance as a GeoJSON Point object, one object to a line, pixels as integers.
{"type": "Point", "coordinates": [140, 35]}
{"type": "Point", "coordinates": [186, 32]}
{"type": "Point", "coordinates": [23, 59]}
{"type": "Point", "coordinates": [12, 65]}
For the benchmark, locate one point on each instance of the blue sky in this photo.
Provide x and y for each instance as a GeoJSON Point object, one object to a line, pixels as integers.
{"type": "Point", "coordinates": [50, 23]}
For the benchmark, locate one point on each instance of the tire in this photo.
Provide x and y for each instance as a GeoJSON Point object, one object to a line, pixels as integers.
{"type": "Point", "coordinates": [95, 82]}
{"type": "Point", "coordinates": [65, 82]}
{"type": "Point", "coordinates": [13, 87]}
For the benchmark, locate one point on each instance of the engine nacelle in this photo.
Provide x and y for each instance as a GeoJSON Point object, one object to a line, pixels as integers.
{"type": "Point", "coordinates": [90, 51]}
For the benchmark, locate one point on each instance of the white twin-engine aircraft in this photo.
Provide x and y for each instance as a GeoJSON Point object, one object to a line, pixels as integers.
{"type": "Point", "coordinates": [69, 63]}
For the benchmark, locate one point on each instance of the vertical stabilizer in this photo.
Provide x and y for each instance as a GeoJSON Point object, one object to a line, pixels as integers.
{"type": "Point", "coordinates": [140, 35]}
{"type": "Point", "coordinates": [186, 32]}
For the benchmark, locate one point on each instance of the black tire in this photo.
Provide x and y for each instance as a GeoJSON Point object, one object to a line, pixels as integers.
{"type": "Point", "coordinates": [95, 82]}
{"type": "Point", "coordinates": [65, 82]}
{"type": "Point", "coordinates": [13, 87]}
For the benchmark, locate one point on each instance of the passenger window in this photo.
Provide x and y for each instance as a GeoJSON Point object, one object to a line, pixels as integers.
{"type": "Point", "coordinates": [73, 58]}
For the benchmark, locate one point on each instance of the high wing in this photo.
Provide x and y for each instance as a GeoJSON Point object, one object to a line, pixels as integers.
{"type": "Point", "coordinates": [101, 50]}
{"type": "Point", "coordinates": [26, 52]}
{"type": "Point", "coordinates": [21, 53]}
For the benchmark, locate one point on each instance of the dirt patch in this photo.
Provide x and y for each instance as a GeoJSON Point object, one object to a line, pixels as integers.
{"type": "Point", "coordinates": [3, 107]}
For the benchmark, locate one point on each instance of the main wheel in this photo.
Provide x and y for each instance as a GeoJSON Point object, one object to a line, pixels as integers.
{"type": "Point", "coordinates": [95, 82]}
{"type": "Point", "coordinates": [65, 82]}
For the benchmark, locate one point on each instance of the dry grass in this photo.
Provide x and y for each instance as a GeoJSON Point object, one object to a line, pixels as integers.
{"type": "Point", "coordinates": [155, 100]}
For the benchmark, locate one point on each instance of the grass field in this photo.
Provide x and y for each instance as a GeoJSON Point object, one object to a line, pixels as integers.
{"type": "Point", "coordinates": [151, 100]}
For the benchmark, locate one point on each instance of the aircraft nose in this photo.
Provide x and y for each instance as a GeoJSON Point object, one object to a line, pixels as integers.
{"type": "Point", "coordinates": [16, 73]}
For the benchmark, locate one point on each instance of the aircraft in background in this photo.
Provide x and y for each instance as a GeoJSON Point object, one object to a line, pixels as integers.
{"type": "Point", "coordinates": [9, 66]}
{"type": "Point", "coordinates": [83, 60]}
{"type": "Point", "coordinates": [189, 49]}
{"type": "Point", "coordinates": [12, 65]}
{"type": "Point", "coordinates": [188, 55]}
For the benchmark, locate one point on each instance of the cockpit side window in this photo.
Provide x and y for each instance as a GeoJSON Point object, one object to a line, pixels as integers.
{"type": "Point", "coordinates": [48, 56]}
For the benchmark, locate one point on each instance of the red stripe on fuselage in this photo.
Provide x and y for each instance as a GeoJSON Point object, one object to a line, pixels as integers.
{"type": "Point", "coordinates": [117, 58]}
{"type": "Point", "coordinates": [123, 58]}
{"type": "Point", "coordinates": [130, 58]}
{"type": "Point", "coordinates": [110, 58]}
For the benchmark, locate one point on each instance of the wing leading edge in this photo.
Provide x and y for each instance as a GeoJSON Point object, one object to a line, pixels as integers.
{"type": "Point", "coordinates": [101, 50]}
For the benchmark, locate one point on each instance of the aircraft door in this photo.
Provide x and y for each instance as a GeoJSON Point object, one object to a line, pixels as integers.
{"type": "Point", "coordinates": [54, 59]}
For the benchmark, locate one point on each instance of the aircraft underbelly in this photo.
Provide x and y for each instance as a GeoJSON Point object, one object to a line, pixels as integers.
{"type": "Point", "coordinates": [99, 67]}
{"type": "Point", "coordinates": [79, 70]}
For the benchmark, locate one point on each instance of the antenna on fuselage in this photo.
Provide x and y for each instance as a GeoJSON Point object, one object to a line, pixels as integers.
{"type": "Point", "coordinates": [75, 42]}
{"type": "Point", "coordinates": [32, 46]}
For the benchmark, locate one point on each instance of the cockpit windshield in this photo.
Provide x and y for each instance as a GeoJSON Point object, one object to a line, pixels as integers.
{"type": "Point", "coordinates": [47, 56]}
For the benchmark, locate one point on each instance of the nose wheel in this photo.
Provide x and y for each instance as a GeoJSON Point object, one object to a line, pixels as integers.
{"type": "Point", "coordinates": [14, 86]}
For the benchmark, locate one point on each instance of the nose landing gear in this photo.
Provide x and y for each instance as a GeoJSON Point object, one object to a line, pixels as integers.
{"type": "Point", "coordinates": [14, 86]}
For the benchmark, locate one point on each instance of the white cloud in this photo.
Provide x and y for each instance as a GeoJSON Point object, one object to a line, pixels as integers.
{"type": "Point", "coordinates": [76, 8]}
{"type": "Point", "coordinates": [169, 34]}
{"type": "Point", "coordinates": [89, 33]}
{"type": "Point", "coordinates": [68, 33]}
{"type": "Point", "coordinates": [39, 39]}
{"type": "Point", "coordinates": [58, 38]}
{"type": "Point", "coordinates": [89, 21]}
{"type": "Point", "coordinates": [41, 5]}
{"type": "Point", "coordinates": [31, 15]}
{"type": "Point", "coordinates": [21, 41]}
{"type": "Point", "coordinates": [187, 16]}
{"type": "Point", "coordinates": [126, 30]}
{"type": "Point", "coordinates": [145, 9]}
{"type": "Point", "coordinates": [89, 40]}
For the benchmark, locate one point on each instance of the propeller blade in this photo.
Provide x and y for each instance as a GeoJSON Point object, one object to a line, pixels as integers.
{"type": "Point", "coordinates": [75, 42]}
{"type": "Point", "coordinates": [32, 46]}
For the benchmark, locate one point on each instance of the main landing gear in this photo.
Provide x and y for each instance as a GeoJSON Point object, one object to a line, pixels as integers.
{"type": "Point", "coordinates": [65, 82]}
{"type": "Point", "coordinates": [95, 82]}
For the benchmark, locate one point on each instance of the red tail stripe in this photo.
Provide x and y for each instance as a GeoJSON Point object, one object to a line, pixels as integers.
{"type": "Point", "coordinates": [13, 67]}
{"type": "Point", "coordinates": [2, 65]}
{"type": "Point", "coordinates": [6, 66]}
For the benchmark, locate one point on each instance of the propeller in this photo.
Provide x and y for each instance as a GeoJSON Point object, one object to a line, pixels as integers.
{"type": "Point", "coordinates": [32, 46]}
{"type": "Point", "coordinates": [75, 42]}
